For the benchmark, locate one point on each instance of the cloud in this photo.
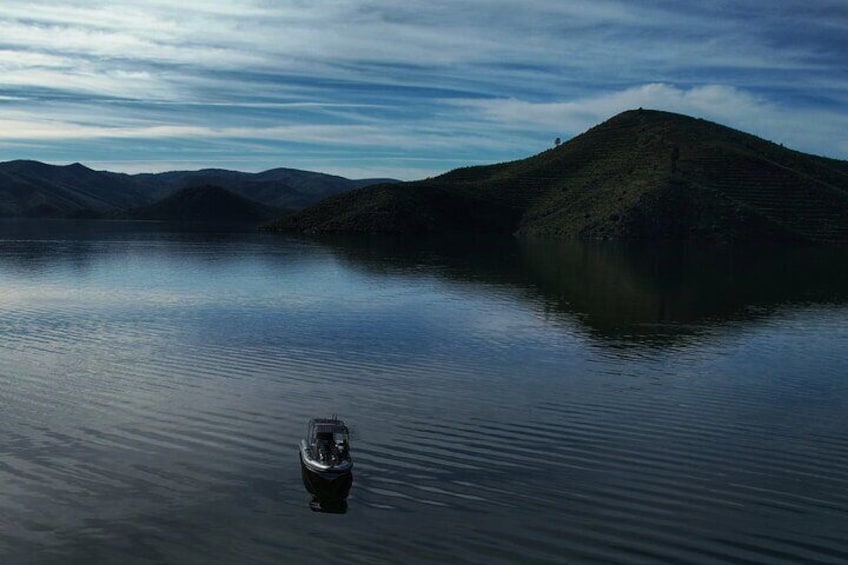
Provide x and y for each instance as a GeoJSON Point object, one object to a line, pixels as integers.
{"type": "Point", "coordinates": [808, 129]}
{"type": "Point", "coordinates": [713, 100]}
{"type": "Point", "coordinates": [333, 38]}
{"type": "Point", "coordinates": [444, 81]}
{"type": "Point", "coordinates": [338, 135]}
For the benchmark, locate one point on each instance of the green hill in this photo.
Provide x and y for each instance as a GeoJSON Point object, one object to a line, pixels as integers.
{"type": "Point", "coordinates": [205, 204]}
{"type": "Point", "coordinates": [641, 174]}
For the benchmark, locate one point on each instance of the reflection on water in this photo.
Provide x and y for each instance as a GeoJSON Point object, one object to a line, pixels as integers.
{"type": "Point", "coordinates": [509, 402]}
{"type": "Point", "coordinates": [623, 292]}
{"type": "Point", "coordinates": [330, 507]}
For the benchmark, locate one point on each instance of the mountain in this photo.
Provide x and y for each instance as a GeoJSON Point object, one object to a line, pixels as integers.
{"type": "Point", "coordinates": [30, 188]}
{"type": "Point", "coordinates": [207, 203]}
{"type": "Point", "coordinates": [287, 188]}
{"type": "Point", "coordinates": [641, 174]}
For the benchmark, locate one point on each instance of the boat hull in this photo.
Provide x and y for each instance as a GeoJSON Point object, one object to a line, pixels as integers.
{"type": "Point", "coordinates": [326, 486]}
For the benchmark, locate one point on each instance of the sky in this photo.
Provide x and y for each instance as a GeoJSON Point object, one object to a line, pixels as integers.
{"type": "Point", "coordinates": [411, 89]}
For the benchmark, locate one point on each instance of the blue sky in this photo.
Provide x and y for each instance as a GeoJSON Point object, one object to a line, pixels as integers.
{"type": "Point", "coordinates": [402, 89]}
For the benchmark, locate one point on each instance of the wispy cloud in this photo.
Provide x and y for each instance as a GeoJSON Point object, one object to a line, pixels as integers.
{"type": "Point", "coordinates": [812, 128]}
{"type": "Point", "coordinates": [332, 82]}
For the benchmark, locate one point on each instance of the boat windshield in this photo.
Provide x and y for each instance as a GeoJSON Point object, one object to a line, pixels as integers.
{"type": "Point", "coordinates": [340, 437]}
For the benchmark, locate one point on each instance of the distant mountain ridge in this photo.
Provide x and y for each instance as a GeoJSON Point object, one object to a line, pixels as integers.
{"type": "Point", "coordinates": [35, 189]}
{"type": "Point", "coordinates": [31, 188]}
{"type": "Point", "coordinates": [281, 187]}
{"type": "Point", "coordinates": [641, 174]}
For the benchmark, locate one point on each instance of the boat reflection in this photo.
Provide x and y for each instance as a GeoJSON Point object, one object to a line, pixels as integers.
{"type": "Point", "coordinates": [327, 493]}
{"type": "Point", "coordinates": [327, 496]}
{"type": "Point", "coordinates": [336, 507]}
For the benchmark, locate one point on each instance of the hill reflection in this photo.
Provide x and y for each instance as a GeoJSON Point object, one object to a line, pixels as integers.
{"type": "Point", "coordinates": [622, 293]}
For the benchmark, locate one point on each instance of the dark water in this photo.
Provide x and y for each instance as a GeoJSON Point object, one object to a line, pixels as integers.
{"type": "Point", "coordinates": [508, 402]}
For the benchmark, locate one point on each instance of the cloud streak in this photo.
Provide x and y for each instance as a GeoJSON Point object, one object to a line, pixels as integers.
{"type": "Point", "coordinates": [811, 128]}
{"type": "Point", "coordinates": [331, 82]}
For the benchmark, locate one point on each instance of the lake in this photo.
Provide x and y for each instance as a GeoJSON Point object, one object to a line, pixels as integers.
{"type": "Point", "coordinates": [509, 402]}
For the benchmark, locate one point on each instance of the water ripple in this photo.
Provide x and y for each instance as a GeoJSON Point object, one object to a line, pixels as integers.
{"type": "Point", "coordinates": [154, 417]}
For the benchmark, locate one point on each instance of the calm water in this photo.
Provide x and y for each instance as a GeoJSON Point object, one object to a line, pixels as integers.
{"type": "Point", "coordinates": [509, 403]}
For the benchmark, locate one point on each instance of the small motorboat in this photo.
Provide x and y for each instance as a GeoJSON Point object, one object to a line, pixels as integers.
{"type": "Point", "coordinates": [325, 461]}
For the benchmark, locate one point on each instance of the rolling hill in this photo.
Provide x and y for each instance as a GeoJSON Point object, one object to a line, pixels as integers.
{"type": "Point", "coordinates": [207, 203]}
{"type": "Point", "coordinates": [641, 174]}
{"type": "Point", "coordinates": [34, 189]}
{"type": "Point", "coordinates": [286, 188]}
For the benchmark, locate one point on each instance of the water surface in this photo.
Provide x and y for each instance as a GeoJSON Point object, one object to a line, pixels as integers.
{"type": "Point", "coordinates": [509, 402]}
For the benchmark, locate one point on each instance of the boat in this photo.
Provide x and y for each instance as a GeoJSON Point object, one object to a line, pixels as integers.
{"type": "Point", "coordinates": [325, 461]}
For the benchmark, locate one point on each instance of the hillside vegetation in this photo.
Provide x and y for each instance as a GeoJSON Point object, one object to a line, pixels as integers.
{"type": "Point", "coordinates": [641, 174]}
{"type": "Point", "coordinates": [34, 189]}
{"type": "Point", "coordinates": [287, 188]}
{"type": "Point", "coordinates": [206, 203]}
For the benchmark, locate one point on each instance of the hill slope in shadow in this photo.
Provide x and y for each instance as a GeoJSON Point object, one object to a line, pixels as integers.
{"type": "Point", "coordinates": [641, 174]}
{"type": "Point", "coordinates": [206, 203]}
{"type": "Point", "coordinates": [34, 189]}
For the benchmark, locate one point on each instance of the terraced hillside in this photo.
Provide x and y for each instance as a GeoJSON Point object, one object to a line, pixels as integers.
{"type": "Point", "coordinates": [779, 187]}
{"type": "Point", "coordinates": [641, 174]}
